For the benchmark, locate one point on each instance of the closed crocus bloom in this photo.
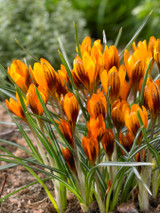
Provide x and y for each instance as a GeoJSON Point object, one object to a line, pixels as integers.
{"type": "Point", "coordinates": [111, 57]}
{"type": "Point", "coordinates": [69, 159]}
{"type": "Point", "coordinates": [45, 75]}
{"type": "Point", "coordinates": [124, 90]}
{"type": "Point", "coordinates": [157, 53]}
{"type": "Point", "coordinates": [132, 122]}
{"type": "Point", "coordinates": [152, 97]}
{"type": "Point", "coordinates": [71, 108]}
{"type": "Point", "coordinates": [61, 88]}
{"type": "Point", "coordinates": [15, 107]}
{"type": "Point", "coordinates": [108, 142]}
{"type": "Point", "coordinates": [96, 126]}
{"type": "Point", "coordinates": [115, 80]}
{"type": "Point", "coordinates": [118, 113]}
{"type": "Point", "coordinates": [76, 80]}
{"type": "Point", "coordinates": [90, 147]}
{"type": "Point", "coordinates": [32, 76]}
{"type": "Point", "coordinates": [151, 44]}
{"type": "Point", "coordinates": [126, 141]}
{"type": "Point", "coordinates": [63, 73]}
{"type": "Point", "coordinates": [86, 45]}
{"type": "Point", "coordinates": [97, 105]}
{"type": "Point", "coordinates": [33, 100]}
{"type": "Point", "coordinates": [66, 130]}
{"type": "Point", "coordinates": [20, 74]}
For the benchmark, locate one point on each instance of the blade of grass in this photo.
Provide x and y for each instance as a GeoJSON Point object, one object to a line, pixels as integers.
{"type": "Point", "coordinates": [77, 40]}
{"type": "Point", "coordinates": [141, 99]}
{"type": "Point", "coordinates": [136, 34]}
{"type": "Point", "coordinates": [118, 37]}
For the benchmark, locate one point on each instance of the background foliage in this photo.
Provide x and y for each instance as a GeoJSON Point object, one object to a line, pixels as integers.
{"type": "Point", "coordinates": [36, 25]}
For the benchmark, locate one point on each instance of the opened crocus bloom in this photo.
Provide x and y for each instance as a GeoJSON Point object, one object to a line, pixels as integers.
{"type": "Point", "coordinates": [118, 112]}
{"type": "Point", "coordinates": [157, 53]}
{"type": "Point", "coordinates": [66, 130]}
{"type": "Point", "coordinates": [97, 105]}
{"type": "Point", "coordinates": [71, 108]}
{"type": "Point", "coordinates": [20, 74]}
{"type": "Point", "coordinates": [108, 142]}
{"type": "Point", "coordinates": [90, 147]}
{"type": "Point", "coordinates": [137, 63]}
{"type": "Point", "coordinates": [87, 69]}
{"type": "Point", "coordinates": [69, 159]}
{"type": "Point", "coordinates": [45, 76]}
{"type": "Point", "coordinates": [152, 97]}
{"type": "Point", "coordinates": [115, 79]}
{"type": "Point", "coordinates": [96, 126]}
{"type": "Point", "coordinates": [33, 100]}
{"type": "Point", "coordinates": [111, 58]}
{"type": "Point", "coordinates": [15, 107]}
{"type": "Point", "coordinates": [132, 122]}
{"type": "Point", "coordinates": [126, 141]}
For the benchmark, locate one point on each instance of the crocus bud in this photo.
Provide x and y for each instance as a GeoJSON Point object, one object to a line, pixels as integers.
{"type": "Point", "coordinates": [90, 146]}
{"type": "Point", "coordinates": [108, 142]}
{"type": "Point", "coordinates": [71, 108]}
{"type": "Point", "coordinates": [69, 159]}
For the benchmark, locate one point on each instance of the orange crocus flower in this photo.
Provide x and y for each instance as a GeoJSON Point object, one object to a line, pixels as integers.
{"type": "Point", "coordinates": [15, 107]}
{"type": "Point", "coordinates": [152, 97]}
{"type": "Point", "coordinates": [96, 126]}
{"type": "Point", "coordinates": [20, 74]}
{"type": "Point", "coordinates": [118, 112]}
{"type": "Point", "coordinates": [132, 122]}
{"type": "Point", "coordinates": [97, 104]}
{"type": "Point", "coordinates": [126, 141]}
{"type": "Point", "coordinates": [87, 69]}
{"type": "Point", "coordinates": [61, 88]}
{"type": "Point", "coordinates": [114, 79]}
{"type": "Point", "coordinates": [90, 147]}
{"type": "Point", "coordinates": [157, 53]}
{"type": "Point", "coordinates": [137, 63]}
{"type": "Point", "coordinates": [151, 44]}
{"type": "Point", "coordinates": [69, 159]}
{"type": "Point", "coordinates": [86, 45]}
{"type": "Point", "coordinates": [45, 75]}
{"type": "Point", "coordinates": [63, 73]}
{"type": "Point", "coordinates": [111, 57]}
{"type": "Point", "coordinates": [66, 130]}
{"type": "Point", "coordinates": [71, 108]}
{"type": "Point", "coordinates": [108, 142]}
{"type": "Point", "coordinates": [33, 100]}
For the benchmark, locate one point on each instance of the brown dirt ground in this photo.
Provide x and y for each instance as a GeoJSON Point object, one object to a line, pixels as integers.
{"type": "Point", "coordinates": [34, 199]}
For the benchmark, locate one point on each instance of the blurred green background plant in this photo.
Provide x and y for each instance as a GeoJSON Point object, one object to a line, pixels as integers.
{"type": "Point", "coordinates": [37, 25]}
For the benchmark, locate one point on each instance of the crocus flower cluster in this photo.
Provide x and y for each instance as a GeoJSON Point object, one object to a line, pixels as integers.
{"type": "Point", "coordinates": [103, 86]}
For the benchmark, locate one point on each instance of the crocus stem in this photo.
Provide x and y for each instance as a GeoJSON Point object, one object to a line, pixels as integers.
{"type": "Point", "coordinates": [40, 148]}
{"type": "Point", "coordinates": [99, 200]}
{"type": "Point", "coordinates": [60, 195]}
{"type": "Point", "coordinates": [51, 102]}
{"type": "Point", "coordinates": [110, 171]}
{"type": "Point", "coordinates": [149, 155]}
{"type": "Point", "coordinates": [154, 182]}
{"type": "Point", "coordinates": [59, 107]}
{"type": "Point", "coordinates": [81, 180]}
{"type": "Point", "coordinates": [143, 195]}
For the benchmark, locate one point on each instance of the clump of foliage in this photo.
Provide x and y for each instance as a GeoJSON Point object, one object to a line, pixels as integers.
{"type": "Point", "coordinates": [37, 25]}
